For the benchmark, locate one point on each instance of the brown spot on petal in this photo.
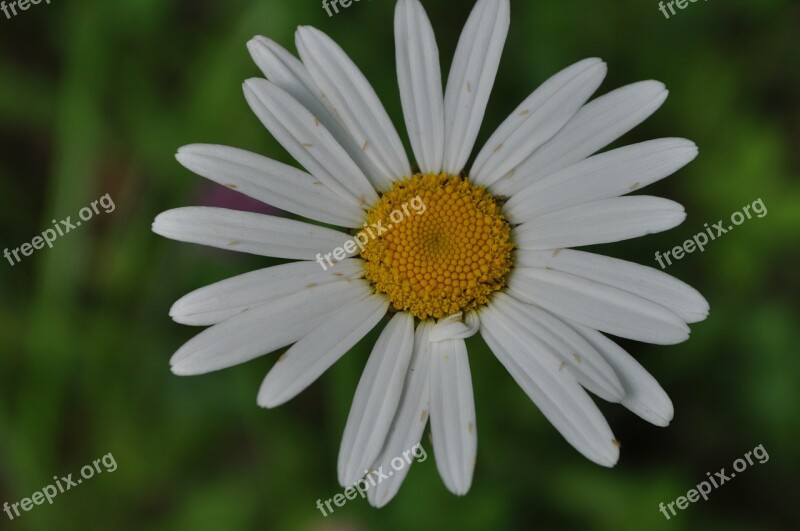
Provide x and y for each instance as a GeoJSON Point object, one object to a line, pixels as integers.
{"type": "Point", "coordinates": [616, 443]}
{"type": "Point", "coordinates": [469, 86]}
{"type": "Point", "coordinates": [311, 285]}
{"type": "Point", "coordinates": [470, 427]}
{"type": "Point", "coordinates": [523, 112]}
{"type": "Point", "coordinates": [563, 364]}
{"type": "Point", "coordinates": [498, 147]}
{"type": "Point", "coordinates": [577, 358]}
{"type": "Point", "coordinates": [232, 186]}
{"type": "Point", "coordinates": [233, 243]}
{"type": "Point", "coordinates": [634, 186]}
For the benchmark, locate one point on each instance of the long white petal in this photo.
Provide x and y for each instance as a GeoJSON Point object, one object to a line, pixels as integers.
{"type": "Point", "coordinates": [265, 328]}
{"type": "Point", "coordinates": [471, 79]}
{"type": "Point", "coordinates": [602, 221]}
{"type": "Point", "coordinates": [646, 282]}
{"type": "Point", "coordinates": [599, 306]}
{"type": "Point", "coordinates": [270, 182]}
{"type": "Point", "coordinates": [308, 141]}
{"type": "Point", "coordinates": [376, 400]}
{"type": "Point", "coordinates": [596, 125]}
{"type": "Point", "coordinates": [537, 119]}
{"type": "Point", "coordinates": [409, 421]}
{"type": "Point", "coordinates": [352, 100]}
{"type": "Point", "coordinates": [420, 78]}
{"type": "Point", "coordinates": [222, 300]}
{"type": "Point", "coordinates": [643, 394]}
{"type": "Point", "coordinates": [542, 331]}
{"type": "Point", "coordinates": [555, 392]}
{"type": "Point", "coordinates": [314, 354]}
{"type": "Point", "coordinates": [286, 71]}
{"type": "Point", "coordinates": [609, 174]}
{"type": "Point", "coordinates": [455, 437]}
{"type": "Point", "coordinates": [248, 232]}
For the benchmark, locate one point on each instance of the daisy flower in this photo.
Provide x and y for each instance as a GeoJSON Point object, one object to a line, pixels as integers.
{"type": "Point", "coordinates": [490, 253]}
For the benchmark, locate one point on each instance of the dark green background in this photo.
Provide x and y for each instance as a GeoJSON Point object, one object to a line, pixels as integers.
{"type": "Point", "coordinates": [95, 97]}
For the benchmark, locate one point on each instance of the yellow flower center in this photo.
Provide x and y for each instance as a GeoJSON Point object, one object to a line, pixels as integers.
{"type": "Point", "coordinates": [444, 246]}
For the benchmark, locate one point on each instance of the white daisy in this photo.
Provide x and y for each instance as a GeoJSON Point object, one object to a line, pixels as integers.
{"type": "Point", "coordinates": [488, 255]}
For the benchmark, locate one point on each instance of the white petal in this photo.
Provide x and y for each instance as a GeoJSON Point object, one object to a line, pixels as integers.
{"type": "Point", "coordinates": [600, 306]}
{"type": "Point", "coordinates": [352, 100]}
{"type": "Point", "coordinates": [308, 141]}
{"type": "Point", "coordinates": [643, 395]}
{"type": "Point", "coordinates": [455, 437]}
{"type": "Point", "coordinates": [456, 326]}
{"type": "Point", "coordinates": [542, 331]}
{"type": "Point", "coordinates": [420, 78]}
{"type": "Point", "coordinates": [248, 232]}
{"type": "Point", "coordinates": [537, 119]}
{"type": "Point", "coordinates": [286, 71]}
{"type": "Point", "coordinates": [646, 282]}
{"type": "Point", "coordinates": [471, 79]}
{"type": "Point", "coordinates": [602, 221]}
{"type": "Point", "coordinates": [265, 328]}
{"type": "Point", "coordinates": [376, 399]}
{"type": "Point", "coordinates": [314, 354]}
{"type": "Point", "coordinates": [556, 393]}
{"type": "Point", "coordinates": [222, 300]}
{"type": "Point", "coordinates": [609, 174]}
{"type": "Point", "coordinates": [409, 421]}
{"type": "Point", "coordinates": [270, 182]}
{"type": "Point", "coordinates": [596, 125]}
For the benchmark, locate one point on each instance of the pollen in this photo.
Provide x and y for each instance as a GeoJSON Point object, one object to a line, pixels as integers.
{"type": "Point", "coordinates": [445, 246]}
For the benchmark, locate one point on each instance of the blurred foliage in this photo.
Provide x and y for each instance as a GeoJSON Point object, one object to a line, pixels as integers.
{"type": "Point", "coordinates": [95, 97]}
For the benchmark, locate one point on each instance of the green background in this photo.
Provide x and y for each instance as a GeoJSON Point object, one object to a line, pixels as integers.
{"type": "Point", "coordinates": [95, 97]}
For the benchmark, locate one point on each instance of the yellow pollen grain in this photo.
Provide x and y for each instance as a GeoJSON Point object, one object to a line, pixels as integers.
{"type": "Point", "coordinates": [445, 258]}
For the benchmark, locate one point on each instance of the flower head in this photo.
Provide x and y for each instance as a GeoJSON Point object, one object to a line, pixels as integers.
{"type": "Point", "coordinates": [485, 250]}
